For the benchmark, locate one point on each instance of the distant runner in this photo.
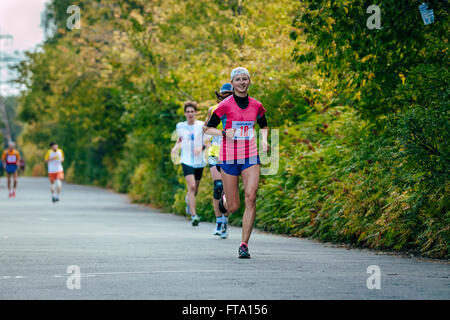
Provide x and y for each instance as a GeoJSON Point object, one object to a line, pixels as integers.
{"type": "Point", "coordinates": [10, 160]}
{"type": "Point", "coordinates": [238, 154]}
{"type": "Point", "coordinates": [21, 166]}
{"type": "Point", "coordinates": [192, 143]}
{"type": "Point", "coordinates": [214, 168]}
{"type": "Point", "coordinates": [54, 158]}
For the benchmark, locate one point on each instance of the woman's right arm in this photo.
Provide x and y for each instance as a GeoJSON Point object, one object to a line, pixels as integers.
{"type": "Point", "coordinates": [213, 122]}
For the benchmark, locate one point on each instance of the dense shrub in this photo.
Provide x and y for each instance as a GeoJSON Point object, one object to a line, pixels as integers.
{"type": "Point", "coordinates": [362, 114]}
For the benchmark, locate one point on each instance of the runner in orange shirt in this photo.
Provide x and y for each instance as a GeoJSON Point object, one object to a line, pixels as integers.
{"type": "Point", "coordinates": [10, 160]}
{"type": "Point", "coordinates": [54, 158]}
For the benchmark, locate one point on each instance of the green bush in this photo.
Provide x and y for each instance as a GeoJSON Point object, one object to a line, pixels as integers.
{"type": "Point", "coordinates": [363, 114]}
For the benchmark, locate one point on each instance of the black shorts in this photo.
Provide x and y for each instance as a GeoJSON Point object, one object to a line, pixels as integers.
{"type": "Point", "coordinates": [217, 166]}
{"type": "Point", "coordinates": [197, 172]}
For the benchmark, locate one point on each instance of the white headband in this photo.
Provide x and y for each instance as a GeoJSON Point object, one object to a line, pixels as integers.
{"type": "Point", "coordinates": [239, 70]}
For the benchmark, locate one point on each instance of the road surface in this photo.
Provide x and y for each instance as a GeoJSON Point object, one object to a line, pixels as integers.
{"type": "Point", "coordinates": [129, 251]}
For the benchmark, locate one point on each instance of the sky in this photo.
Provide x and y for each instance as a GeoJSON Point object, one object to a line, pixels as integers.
{"type": "Point", "coordinates": [20, 19]}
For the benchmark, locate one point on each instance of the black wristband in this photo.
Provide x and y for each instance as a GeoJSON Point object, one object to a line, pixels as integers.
{"type": "Point", "coordinates": [204, 147]}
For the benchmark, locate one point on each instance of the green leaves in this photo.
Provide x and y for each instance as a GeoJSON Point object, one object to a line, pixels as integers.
{"type": "Point", "coordinates": [346, 46]}
{"type": "Point", "coordinates": [362, 114]}
{"type": "Point", "coordinates": [397, 79]}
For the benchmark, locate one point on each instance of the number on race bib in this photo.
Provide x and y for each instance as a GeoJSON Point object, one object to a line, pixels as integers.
{"type": "Point", "coordinates": [244, 130]}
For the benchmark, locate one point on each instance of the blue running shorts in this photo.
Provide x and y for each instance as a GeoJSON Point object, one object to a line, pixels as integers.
{"type": "Point", "coordinates": [235, 167]}
{"type": "Point", "coordinates": [11, 168]}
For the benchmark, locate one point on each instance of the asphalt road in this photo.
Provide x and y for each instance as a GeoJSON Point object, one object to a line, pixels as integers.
{"type": "Point", "coordinates": [129, 251]}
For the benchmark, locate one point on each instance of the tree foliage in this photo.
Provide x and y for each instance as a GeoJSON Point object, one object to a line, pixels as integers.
{"type": "Point", "coordinates": [362, 114]}
{"type": "Point", "coordinates": [397, 78]}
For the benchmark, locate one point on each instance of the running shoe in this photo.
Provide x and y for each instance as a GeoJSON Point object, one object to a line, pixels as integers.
{"type": "Point", "coordinates": [10, 194]}
{"type": "Point", "coordinates": [243, 251]}
{"type": "Point", "coordinates": [195, 220]}
{"type": "Point", "coordinates": [224, 233]}
{"type": "Point", "coordinates": [13, 194]}
{"type": "Point", "coordinates": [218, 230]}
{"type": "Point", "coordinates": [53, 199]}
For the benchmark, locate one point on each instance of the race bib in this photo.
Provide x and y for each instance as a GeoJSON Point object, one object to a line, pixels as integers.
{"type": "Point", "coordinates": [244, 130]}
{"type": "Point", "coordinates": [11, 158]}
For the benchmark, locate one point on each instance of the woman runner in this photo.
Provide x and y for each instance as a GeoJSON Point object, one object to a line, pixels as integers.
{"type": "Point", "coordinates": [238, 154]}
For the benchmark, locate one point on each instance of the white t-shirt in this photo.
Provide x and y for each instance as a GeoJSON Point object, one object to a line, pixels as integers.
{"type": "Point", "coordinates": [54, 165]}
{"type": "Point", "coordinates": [192, 137]}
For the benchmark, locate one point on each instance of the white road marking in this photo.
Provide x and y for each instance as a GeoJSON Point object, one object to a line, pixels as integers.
{"type": "Point", "coordinates": [11, 277]}
{"type": "Point", "coordinates": [94, 274]}
{"type": "Point", "coordinates": [156, 271]}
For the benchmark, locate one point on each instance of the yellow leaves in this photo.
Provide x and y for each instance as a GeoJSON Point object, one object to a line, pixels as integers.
{"type": "Point", "coordinates": [369, 56]}
{"type": "Point", "coordinates": [370, 76]}
{"type": "Point", "coordinates": [135, 14]}
{"type": "Point", "coordinates": [346, 10]}
{"type": "Point", "coordinates": [135, 79]}
{"type": "Point", "coordinates": [331, 21]}
{"type": "Point", "coordinates": [80, 41]}
{"type": "Point", "coordinates": [402, 77]}
{"type": "Point", "coordinates": [349, 83]}
{"type": "Point", "coordinates": [98, 139]}
{"type": "Point", "coordinates": [242, 27]}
